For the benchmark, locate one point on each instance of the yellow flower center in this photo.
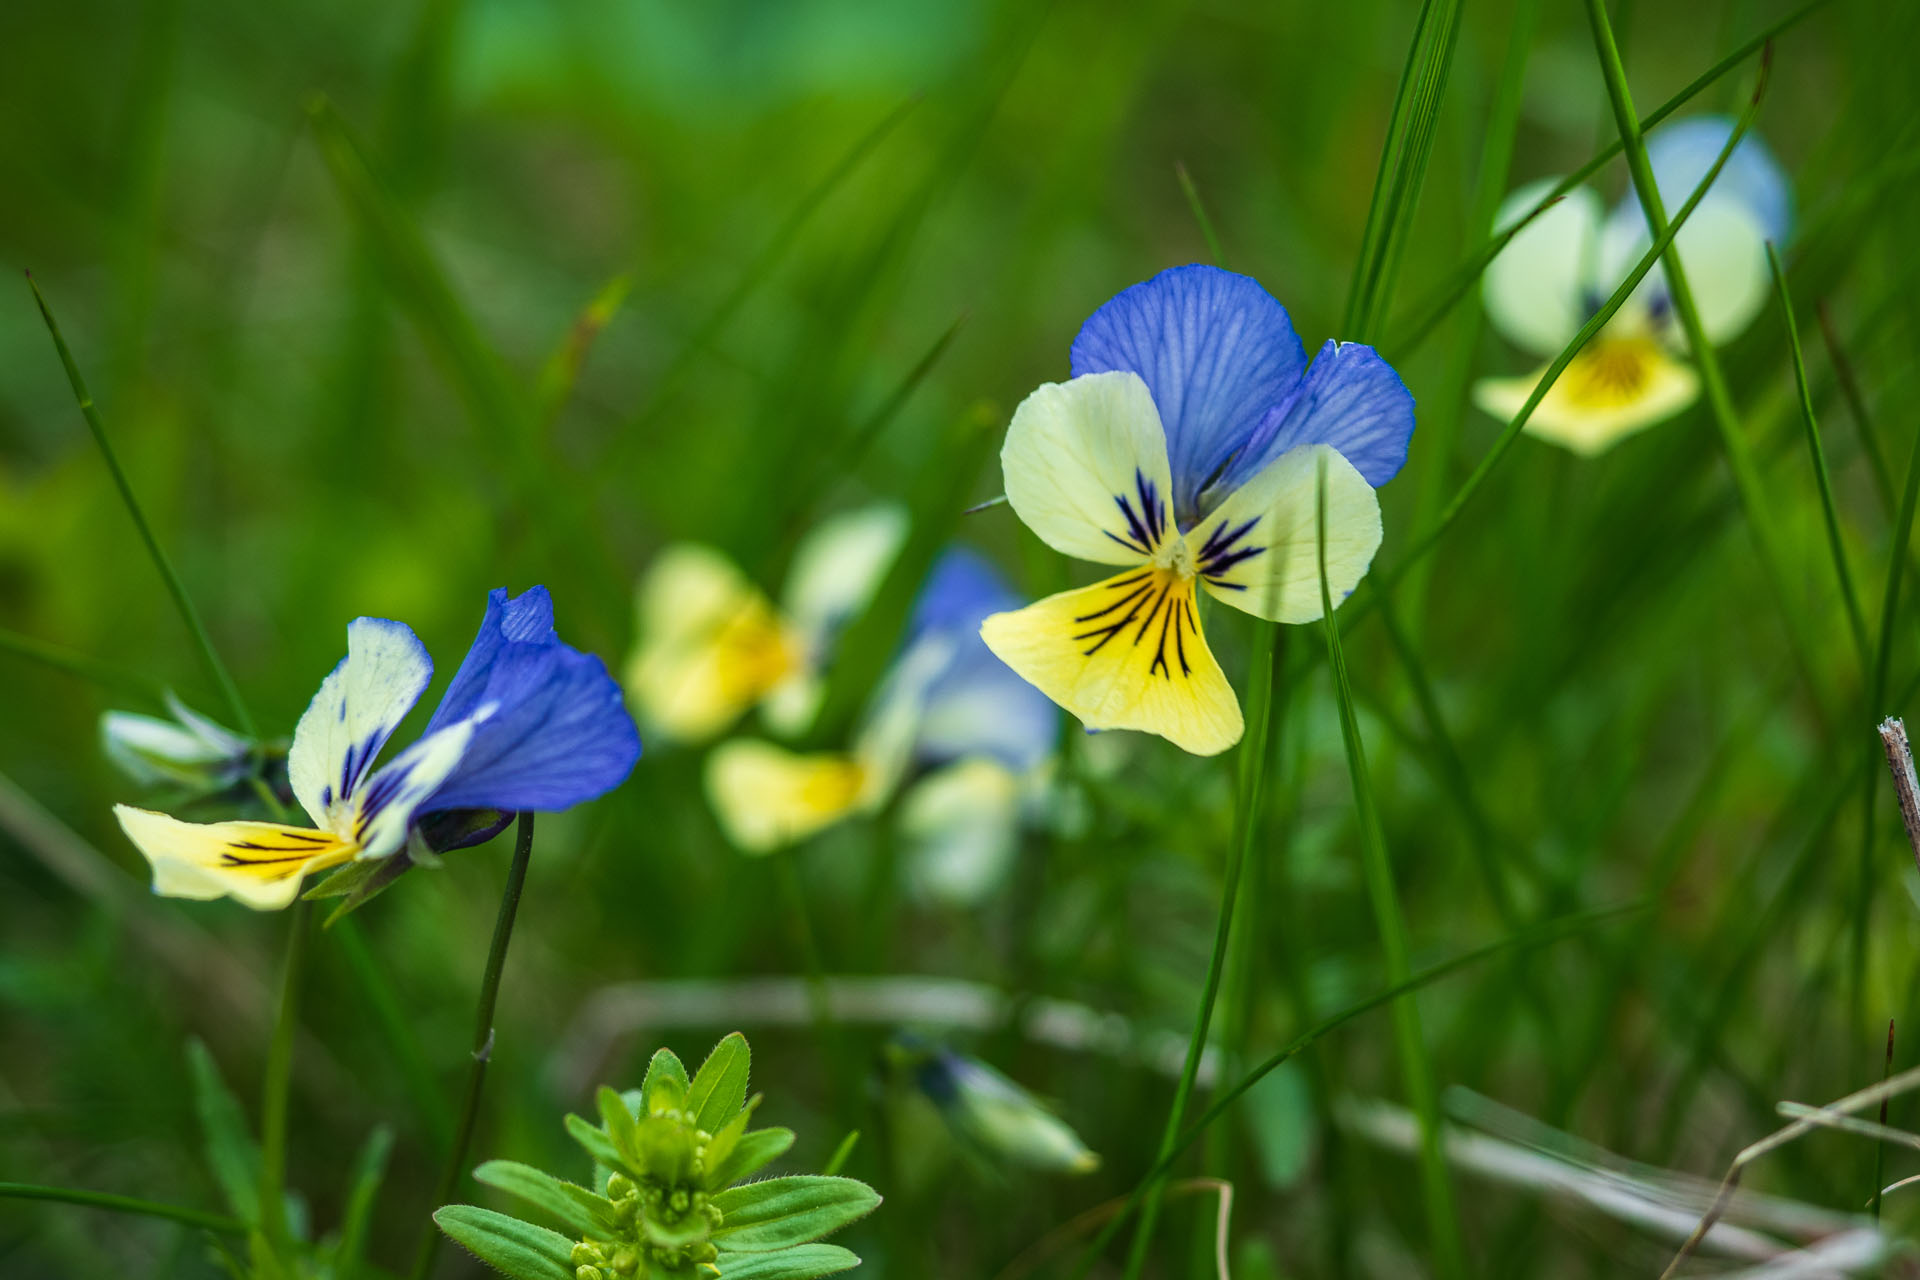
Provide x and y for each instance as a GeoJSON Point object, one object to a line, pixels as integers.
{"type": "Point", "coordinates": [1610, 373]}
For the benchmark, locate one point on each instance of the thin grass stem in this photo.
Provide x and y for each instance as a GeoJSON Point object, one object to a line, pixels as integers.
{"type": "Point", "coordinates": [242, 718]}
{"type": "Point", "coordinates": [278, 1081]}
{"type": "Point", "coordinates": [219, 1222]}
{"type": "Point", "coordinates": [1252, 757]}
{"type": "Point", "coordinates": [455, 1167]}
{"type": "Point", "coordinates": [1443, 1222]}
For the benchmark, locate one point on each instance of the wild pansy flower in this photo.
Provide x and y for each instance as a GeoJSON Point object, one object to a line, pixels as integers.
{"type": "Point", "coordinates": [1187, 448]}
{"type": "Point", "coordinates": [946, 705]}
{"type": "Point", "coordinates": [713, 646]}
{"type": "Point", "coordinates": [527, 723]}
{"type": "Point", "coordinates": [1558, 270]}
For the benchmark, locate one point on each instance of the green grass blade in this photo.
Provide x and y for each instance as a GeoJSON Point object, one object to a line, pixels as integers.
{"type": "Point", "coordinates": [1436, 35]}
{"type": "Point", "coordinates": [78, 665]}
{"type": "Point", "coordinates": [1533, 939]}
{"type": "Point", "coordinates": [1252, 761]}
{"type": "Point", "coordinates": [1443, 1222]}
{"type": "Point", "coordinates": [562, 369]}
{"type": "Point", "coordinates": [242, 718]}
{"type": "Point", "coordinates": [1200, 218]}
{"type": "Point", "coordinates": [219, 1222]}
{"type": "Point", "coordinates": [1849, 384]}
{"type": "Point", "coordinates": [1849, 598]}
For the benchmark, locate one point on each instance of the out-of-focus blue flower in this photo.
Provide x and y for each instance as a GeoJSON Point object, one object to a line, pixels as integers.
{"type": "Point", "coordinates": [527, 723]}
{"type": "Point", "coordinates": [990, 1114]}
{"type": "Point", "coordinates": [946, 706]}
{"type": "Point", "coordinates": [1194, 447]}
{"type": "Point", "coordinates": [1561, 266]}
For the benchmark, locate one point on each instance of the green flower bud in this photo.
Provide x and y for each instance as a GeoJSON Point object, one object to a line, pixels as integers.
{"type": "Point", "coordinates": [619, 1187]}
{"type": "Point", "coordinates": [588, 1273]}
{"type": "Point", "coordinates": [993, 1113]}
{"type": "Point", "coordinates": [626, 1260]}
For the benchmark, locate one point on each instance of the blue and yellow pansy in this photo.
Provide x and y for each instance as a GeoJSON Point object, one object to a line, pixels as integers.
{"type": "Point", "coordinates": [969, 731]}
{"type": "Point", "coordinates": [527, 723]}
{"type": "Point", "coordinates": [1560, 267]}
{"type": "Point", "coordinates": [1188, 449]}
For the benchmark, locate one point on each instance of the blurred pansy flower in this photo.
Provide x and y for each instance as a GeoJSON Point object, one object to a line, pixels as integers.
{"type": "Point", "coordinates": [946, 706]}
{"type": "Point", "coordinates": [1561, 267]}
{"type": "Point", "coordinates": [992, 1117]}
{"type": "Point", "coordinates": [186, 750]}
{"type": "Point", "coordinates": [1187, 448]}
{"type": "Point", "coordinates": [713, 646]}
{"type": "Point", "coordinates": [527, 723]}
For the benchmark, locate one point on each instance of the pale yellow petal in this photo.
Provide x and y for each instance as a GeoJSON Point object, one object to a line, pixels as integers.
{"type": "Point", "coordinates": [1259, 551]}
{"type": "Point", "coordinates": [1085, 464]}
{"type": "Point", "coordinates": [259, 864]}
{"type": "Point", "coordinates": [1612, 389]}
{"type": "Point", "coordinates": [711, 645]}
{"type": "Point", "coordinates": [1125, 653]}
{"type": "Point", "coordinates": [767, 797]}
{"type": "Point", "coordinates": [961, 828]}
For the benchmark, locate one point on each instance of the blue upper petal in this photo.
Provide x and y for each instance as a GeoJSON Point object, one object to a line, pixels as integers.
{"type": "Point", "coordinates": [559, 733]}
{"type": "Point", "coordinates": [1217, 352]}
{"type": "Point", "coordinates": [977, 706]}
{"type": "Point", "coordinates": [1682, 153]}
{"type": "Point", "coordinates": [1350, 399]}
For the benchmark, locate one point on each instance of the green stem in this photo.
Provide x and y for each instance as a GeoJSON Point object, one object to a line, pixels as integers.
{"type": "Point", "coordinates": [279, 1080]}
{"type": "Point", "coordinates": [1246, 809]}
{"type": "Point", "coordinates": [1733, 440]}
{"type": "Point", "coordinates": [482, 1042]}
{"type": "Point", "coordinates": [1829, 511]}
{"type": "Point", "coordinates": [1443, 1223]}
{"type": "Point", "coordinates": [124, 1204]}
{"type": "Point", "coordinates": [242, 718]}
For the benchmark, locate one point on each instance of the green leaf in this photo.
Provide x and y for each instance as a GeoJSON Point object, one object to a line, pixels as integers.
{"type": "Point", "coordinates": [231, 1153]}
{"type": "Point", "coordinates": [782, 1212]}
{"type": "Point", "coordinates": [666, 1066]}
{"type": "Point", "coordinates": [369, 1168]}
{"type": "Point", "coordinates": [619, 1122]}
{"type": "Point", "coordinates": [508, 1245]}
{"type": "Point", "coordinates": [728, 1136]}
{"type": "Point", "coordinates": [800, 1263]}
{"type": "Point", "coordinates": [719, 1088]}
{"type": "Point", "coordinates": [577, 1209]}
{"type": "Point", "coordinates": [754, 1152]}
{"type": "Point", "coordinates": [596, 1141]}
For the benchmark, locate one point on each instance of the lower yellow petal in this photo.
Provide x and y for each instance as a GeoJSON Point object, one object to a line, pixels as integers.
{"type": "Point", "coordinates": [767, 797]}
{"type": "Point", "coordinates": [1125, 653]}
{"type": "Point", "coordinates": [711, 645]}
{"type": "Point", "coordinates": [259, 864]}
{"type": "Point", "coordinates": [1613, 388]}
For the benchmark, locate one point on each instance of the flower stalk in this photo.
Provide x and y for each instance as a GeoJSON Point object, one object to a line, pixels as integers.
{"type": "Point", "coordinates": [482, 1040]}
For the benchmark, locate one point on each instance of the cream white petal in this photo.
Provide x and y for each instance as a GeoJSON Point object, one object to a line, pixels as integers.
{"type": "Point", "coordinates": [1538, 288]}
{"type": "Point", "coordinates": [359, 705]}
{"type": "Point", "coordinates": [1259, 551]}
{"type": "Point", "coordinates": [1085, 464]}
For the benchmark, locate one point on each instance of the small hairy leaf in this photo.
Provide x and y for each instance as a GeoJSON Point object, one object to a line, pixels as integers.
{"type": "Point", "coordinates": [728, 1135]}
{"type": "Point", "coordinates": [619, 1122]}
{"type": "Point", "coordinates": [664, 1068]}
{"type": "Point", "coordinates": [577, 1209]}
{"type": "Point", "coordinates": [752, 1153]}
{"type": "Point", "coordinates": [719, 1088]}
{"type": "Point", "coordinates": [782, 1212]}
{"type": "Point", "coordinates": [596, 1141]}
{"type": "Point", "coordinates": [802, 1262]}
{"type": "Point", "coordinates": [231, 1155]}
{"type": "Point", "coordinates": [508, 1245]}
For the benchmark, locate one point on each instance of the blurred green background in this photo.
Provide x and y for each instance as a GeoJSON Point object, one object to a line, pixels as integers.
{"type": "Point", "coordinates": [317, 262]}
